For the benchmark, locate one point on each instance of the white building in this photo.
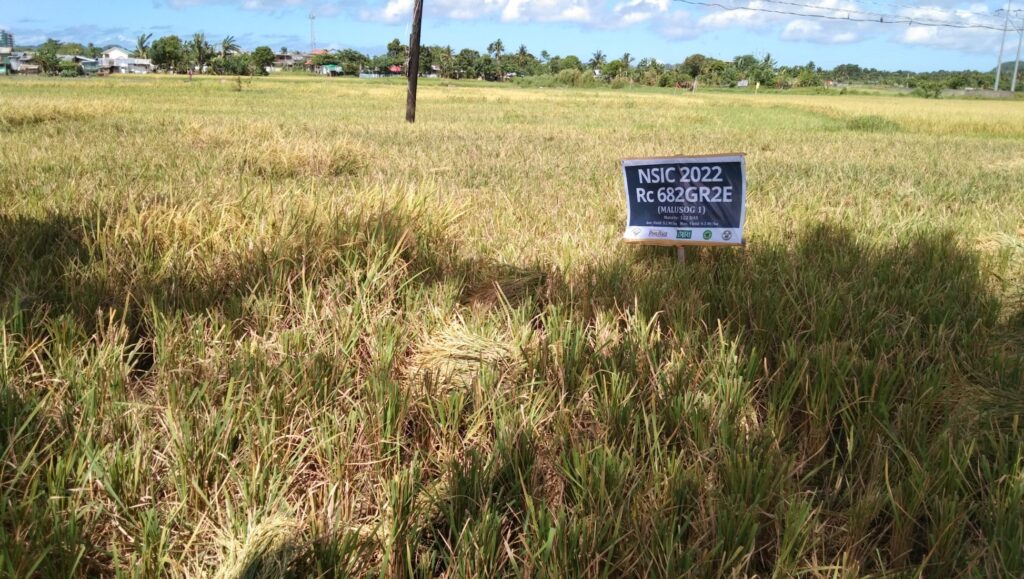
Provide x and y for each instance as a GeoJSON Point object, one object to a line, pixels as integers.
{"type": "Point", "coordinates": [116, 53]}
{"type": "Point", "coordinates": [116, 60]}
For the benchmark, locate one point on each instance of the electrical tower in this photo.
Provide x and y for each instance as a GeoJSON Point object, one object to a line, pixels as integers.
{"type": "Point", "coordinates": [312, 32]}
{"type": "Point", "coordinates": [1010, 22]}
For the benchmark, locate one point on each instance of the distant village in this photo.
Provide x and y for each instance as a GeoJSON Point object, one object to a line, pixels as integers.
{"type": "Point", "coordinates": [119, 60]}
{"type": "Point", "coordinates": [196, 55]}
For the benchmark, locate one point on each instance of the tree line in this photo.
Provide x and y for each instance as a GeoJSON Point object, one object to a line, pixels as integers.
{"type": "Point", "coordinates": [496, 63]}
{"type": "Point", "coordinates": [197, 53]}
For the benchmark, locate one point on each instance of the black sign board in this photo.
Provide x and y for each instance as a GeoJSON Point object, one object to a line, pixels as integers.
{"type": "Point", "coordinates": [686, 200]}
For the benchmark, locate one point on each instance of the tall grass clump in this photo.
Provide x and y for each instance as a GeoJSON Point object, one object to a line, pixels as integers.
{"type": "Point", "coordinates": [37, 114]}
{"type": "Point", "coordinates": [872, 124]}
{"type": "Point", "coordinates": [277, 159]}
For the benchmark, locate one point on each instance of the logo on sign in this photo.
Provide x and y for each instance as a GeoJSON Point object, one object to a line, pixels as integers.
{"type": "Point", "coordinates": [657, 233]}
{"type": "Point", "coordinates": [684, 234]}
{"type": "Point", "coordinates": [635, 231]}
{"type": "Point", "coordinates": [707, 234]}
{"type": "Point", "coordinates": [727, 235]}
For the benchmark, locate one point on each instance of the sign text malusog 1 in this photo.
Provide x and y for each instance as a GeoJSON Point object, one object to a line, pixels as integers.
{"type": "Point", "coordinates": [686, 200]}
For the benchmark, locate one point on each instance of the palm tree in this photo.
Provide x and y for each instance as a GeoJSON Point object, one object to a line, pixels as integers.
{"type": "Point", "coordinates": [627, 59]}
{"type": "Point", "coordinates": [497, 48]}
{"type": "Point", "coordinates": [447, 59]}
{"type": "Point", "coordinates": [522, 56]}
{"type": "Point", "coordinates": [142, 45]}
{"type": "Point", "coordinates": [597, 60]}
{"type": "Point", "coordinates": [201, 49]}
{"type": "Point", "coordinates": [228, 46]}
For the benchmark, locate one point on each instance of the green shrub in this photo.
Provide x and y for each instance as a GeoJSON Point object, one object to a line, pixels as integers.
{"type": "Point", "coordinates": [575, 78]}
{"type": "Point", "coordinates": [539, 81]}
{"type": "Point", "coordinates": [928, 90]}
{"type": "Point", "coordinates": [566, 78]}
{"type": "Point", "coordinates": [68, 69]}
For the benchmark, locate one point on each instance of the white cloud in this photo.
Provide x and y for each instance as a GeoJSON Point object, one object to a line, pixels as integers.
{"type": "Point", "coordinates": [578, 11]}
{"type": "Point", "coordinates": [978, 40]}
{"type": "Point", "coordinates": [676, 25]}
{"type": "Point", "coordinates": [763, 14]}
{"type": "Point", "coordinates": [396, 10]}
{"type": "Point", "coordinates": [741, 18]}
{"type": "Point", "coordinates": [247, 4]}
{"type": "Point", "coordinates": [637, 11]}
{"type": "Point", "coordinates": [806, 30]}
{"type": "Point", "coordinates": [547, 11]}
{"type": "Point", "coordinates": [819, 24]}
{"type": "Point", "coordinates": [83, 33]}
{"type": "Point", "coordinates": [670, 21]}
{"type": "Point", "coordinates": [319, 7]}
{"type": "Point", "coordinates": [595, 13]}
{"type": "Point", "coordinates": [666, 18]}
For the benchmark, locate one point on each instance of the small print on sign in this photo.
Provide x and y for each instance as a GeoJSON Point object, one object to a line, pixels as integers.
{"type": "Point", "coordinates": [686, 200]}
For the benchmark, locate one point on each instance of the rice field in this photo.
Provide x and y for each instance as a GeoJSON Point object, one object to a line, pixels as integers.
{"type": "Point", "coordinates": [267, 329]}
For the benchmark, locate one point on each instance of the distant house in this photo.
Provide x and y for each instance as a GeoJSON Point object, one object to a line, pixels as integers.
{"type": "Point", "coordinates": [743, 83]}
{"type": "Point", "coordinates": [25, 63]}
{"type": "Point", "coordinates": [309, 65]}
{"type": "Point", "coordinates": [287, 61]}
{"type": "Point", "coordinates": [85, 64]}
{"type": "Point", "coordinates": [116, 60]}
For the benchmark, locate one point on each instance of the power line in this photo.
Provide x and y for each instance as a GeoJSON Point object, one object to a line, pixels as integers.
{"type": "Point", "coordinates": [877, 15]}
{"type": "Point", "coordinates": [843, 14]}
{"type": "Point", "coordinates": [953, 12]}
{"type": "Point", "coordinates": [997, 23]}
{"type": "Point", "coordinates": [893, 19]}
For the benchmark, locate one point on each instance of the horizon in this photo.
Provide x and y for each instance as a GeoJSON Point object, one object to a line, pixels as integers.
{"type": "Point", "coordinates": [1006, 64]}
{"type": "Point", "coordinates": [667, 31]}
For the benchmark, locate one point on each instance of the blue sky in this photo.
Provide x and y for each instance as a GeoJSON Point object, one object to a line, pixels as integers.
{"type": "Point", "coordinates": [665, 29]}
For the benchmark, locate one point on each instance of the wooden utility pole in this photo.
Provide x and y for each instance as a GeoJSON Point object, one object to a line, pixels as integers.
{"type": "Point", "coordinates": [414, 62]}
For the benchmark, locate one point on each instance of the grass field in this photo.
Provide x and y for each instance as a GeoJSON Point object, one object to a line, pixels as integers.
{"type": "Point", "coordinates": [277, 331]}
